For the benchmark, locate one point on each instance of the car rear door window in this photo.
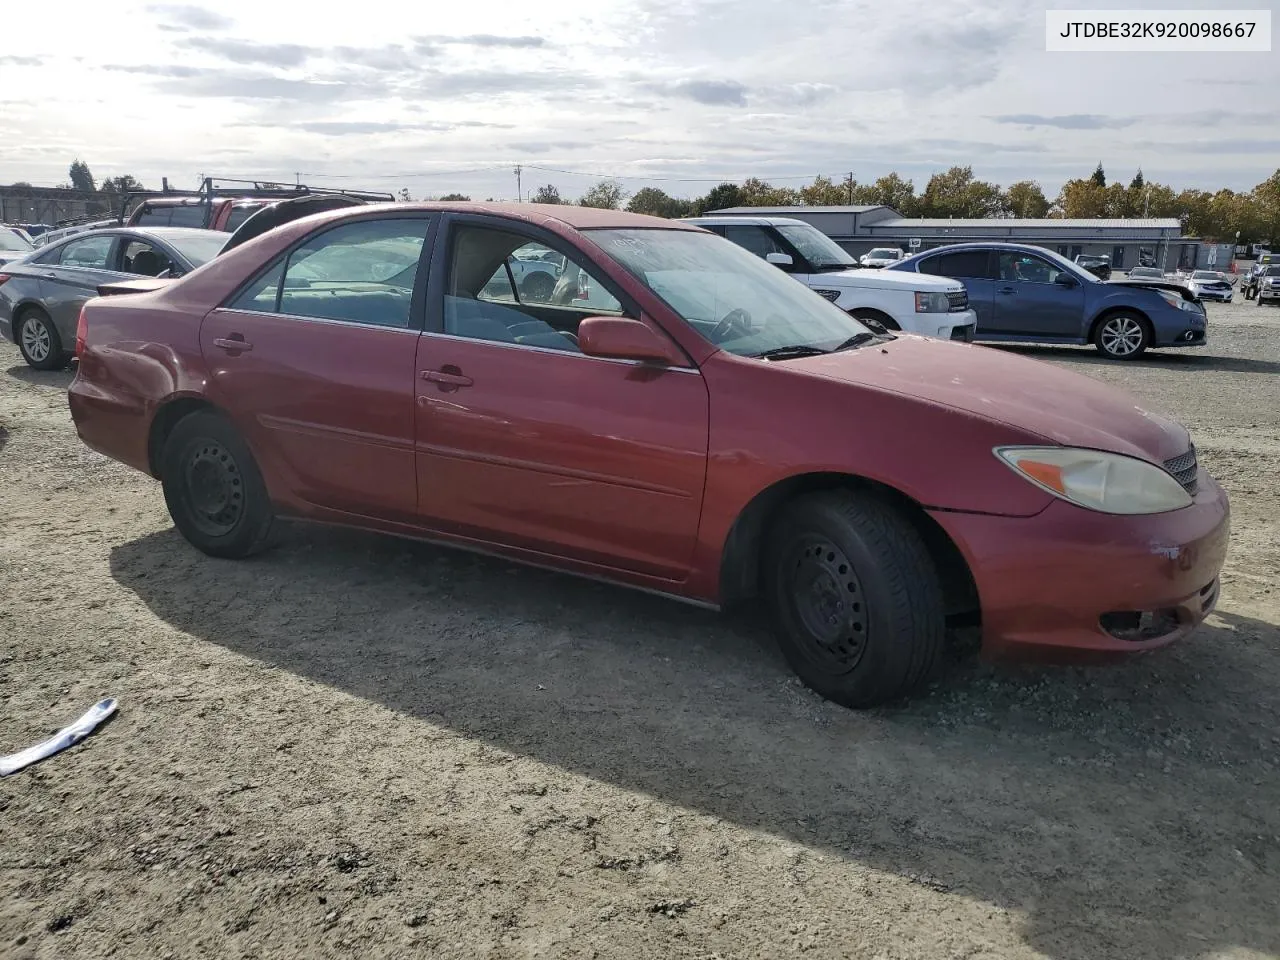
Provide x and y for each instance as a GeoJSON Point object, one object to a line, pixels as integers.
{"type": "Point", "coordinates": [91, 253]}
{"type": "Point", "coordinates": [362, 272]}
{"type": "Point", "coordinates": [961, 265]}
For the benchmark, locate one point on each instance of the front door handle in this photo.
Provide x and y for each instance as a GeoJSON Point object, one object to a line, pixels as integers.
{"type": "Point", "coordinates": [448, 377]}
{"type": "Point", "coordinates": [1007, 290]}
{"type": "Point", "coordinates": [233, 343]}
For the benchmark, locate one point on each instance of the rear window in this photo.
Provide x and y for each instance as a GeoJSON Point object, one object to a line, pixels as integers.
{"type": "Point", "coordinates": [191, 215]}
{"type": "Point", "coordinates": [965, 264]}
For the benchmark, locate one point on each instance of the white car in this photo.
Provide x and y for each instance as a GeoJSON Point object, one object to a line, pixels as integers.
{"type": "Point", "coordinates": [14, 244]}
{"type": "Point", "coordinates": [910, 302]}
{"type": "Point", "coordinates": [880, 257]}
{"type": "Point", "coordinates": [1209, 285]}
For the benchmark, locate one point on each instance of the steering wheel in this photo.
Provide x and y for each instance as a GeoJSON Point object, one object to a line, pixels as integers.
{"type": "Point", "coordinates": [736, 319]}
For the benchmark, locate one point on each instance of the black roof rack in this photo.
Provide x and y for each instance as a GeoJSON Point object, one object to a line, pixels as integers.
{"type": "Point", "coordinates": [232, 188]}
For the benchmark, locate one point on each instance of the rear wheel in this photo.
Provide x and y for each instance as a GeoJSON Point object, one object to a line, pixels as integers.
{"type": "Point", "coordinates": [1122, 336]}
{"type": "Point", "coordinates": [38, 341]}
{"type": "Point", "coordinates": [855, 597]}
{"type": "Point", "coordinates": [213, 488]}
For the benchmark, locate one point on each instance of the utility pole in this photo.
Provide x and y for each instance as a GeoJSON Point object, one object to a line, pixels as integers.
{"type": "Point", "coordinates": [519, 191]}
{"type": "Point", "coordinates": [850, 185]}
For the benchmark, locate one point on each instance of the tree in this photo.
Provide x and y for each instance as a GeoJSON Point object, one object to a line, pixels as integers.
{"type": "Point", "coordinates": [823, 192]}
{"type": "Point", "coordinates": [1099, 176]}
{"type": "Point", "coordinates": [81, 178]}
{"type": "Point", "coordinates": [1081, 199]}
{"type": "Point", "coordinates": [657, 203]}
{"type": "Point", "coordinates": [122, 184]}
{"type": "Point", "coordinates": [1266, 203]}
{"type": "Point", "coordinates": [546, 194]}
{"type": "Point", "coordinates": [893, 191]}
{"type": "Point", "coordinates": [607, 195]}
{"type": "Point", "coordinates": [455, 196]}
{"type": "Point", "coordinates": [1025, 199]}
{"type": "Point", "coordinates": [955, 193]}
{"type": "Point", "coordinates": [719, 198]}
{"type": "Point", "coordinates": [760, 193]}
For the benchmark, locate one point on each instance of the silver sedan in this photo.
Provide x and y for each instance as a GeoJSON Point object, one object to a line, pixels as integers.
{"type": "Point", "coordinates": [41, 295]}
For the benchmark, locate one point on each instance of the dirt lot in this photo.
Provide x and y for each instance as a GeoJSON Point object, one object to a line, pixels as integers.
{"type": "Point", "coordinates": [356, 746]}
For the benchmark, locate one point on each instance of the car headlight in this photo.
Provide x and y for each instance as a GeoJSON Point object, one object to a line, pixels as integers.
{"type": "Point", "coordinates": [932, 303]}
{"type": "Point", "coordinates": [1105, 482]}
{"type": "Point", "coordinates": [1173, 300]}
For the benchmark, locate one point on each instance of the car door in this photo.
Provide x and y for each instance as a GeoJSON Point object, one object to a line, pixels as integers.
{"type": "Point", "coordinates": [314, 359]}
{"type": "Point", "coordinates": [1036, 298]}
{"type": "Point", "coordinates": [525, 441]}
{"type": "Point", "coordinates": [972, 267]}
{"type": "Point", "coordinates": [73, 278]}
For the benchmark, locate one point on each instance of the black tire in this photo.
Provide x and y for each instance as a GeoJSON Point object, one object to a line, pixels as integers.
{"type": "Point", "coordinates": [538, 287]}
{"type": "Point", "coordinates": [213, 488]}
{"type": "Point", "coordinates": [1122, 336]}
{"type": "Point", "coordinates": [38, 340]}
{"type": "Point", "coordinates": [855, 598]}
{"type": "Point", "coordinates": [877, 321]}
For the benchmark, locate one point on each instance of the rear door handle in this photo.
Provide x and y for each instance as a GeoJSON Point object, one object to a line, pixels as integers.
{"type": "Point", "coordinates": [449, 377]}
{"type": "Point", "coordinates": [232, 343]}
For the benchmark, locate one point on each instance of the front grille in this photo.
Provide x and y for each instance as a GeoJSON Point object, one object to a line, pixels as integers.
{"type": "Point", "coordinates": [1184, 470]}
{"type": "Point", "coordinates": [958, 301]}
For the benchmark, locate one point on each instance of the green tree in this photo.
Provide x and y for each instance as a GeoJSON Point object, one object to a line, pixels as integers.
{"type": "Point", "coordinates": [893, 191]}
{"type": "Point", "coordinates": [1025, 199]}
{"type": "Point", "coordinates": [658, 203]}
{"type": "Point", "coordinates": [1081, 199]}
{"type": "Point", "coordinates": [823, 192]}
{"type": "Point", "coordinates": [1266, 201]}
{"type": "Point", "coordinates": [121, 184]}
{"type": "Point", "coordinates": [455, 196]}
{"type": "Point", "coordinates": [719, 198]}
{"type": "Point", "coordinates": [956, 193]}
{"type": "Point", "coordinates": [81, 178]}
{"type": "Point", "coordinates": [607, 195]}
{"type": "Point", "coordinates": [1099, 176]}
{"type": "Point", "coordinates": [546, 194]}
{"type": "Point", "coordinates": [760, 193]}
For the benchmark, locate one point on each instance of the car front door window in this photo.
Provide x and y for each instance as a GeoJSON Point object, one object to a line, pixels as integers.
{"type": "Point", "coordinates": [1025, 267]}
{"type": "Point", "coordinates": [143, 259]}
{"type": "Point", "coordinates": [755, 239]}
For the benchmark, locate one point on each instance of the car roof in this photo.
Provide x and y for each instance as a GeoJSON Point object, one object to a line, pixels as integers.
{"type": "Point", "coordinates": [580, 218]}
{"type": "Point", "coordinates": [732, 220]}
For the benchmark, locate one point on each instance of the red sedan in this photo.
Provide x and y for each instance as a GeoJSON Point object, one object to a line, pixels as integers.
{"type": "Point", "coordinates": [668, 412]}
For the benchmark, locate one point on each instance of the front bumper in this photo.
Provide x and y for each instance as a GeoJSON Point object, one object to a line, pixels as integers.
{"type": "Point", "coordinates": [1221, 296]}
{"type": "Point", "coordinates": [1269, 293]}
{"type": "Point", "coordinates": [1069, 583]}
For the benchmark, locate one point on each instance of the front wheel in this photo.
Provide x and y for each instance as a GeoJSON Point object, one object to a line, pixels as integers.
{"type": "Point", "coordinates": [38, 341]}
{"type": "Point", "coordinates": [1122, 336]}
{"type": "Point", "coordinates": [876, 321]}
{"type": "Point", "coordinates": [855, 597]}
{"type": "Point", "coordinates": [214, 491]}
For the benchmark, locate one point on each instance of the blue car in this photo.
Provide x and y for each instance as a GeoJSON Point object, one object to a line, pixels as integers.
{"type": "Point", "coordinates": [1023, 293]}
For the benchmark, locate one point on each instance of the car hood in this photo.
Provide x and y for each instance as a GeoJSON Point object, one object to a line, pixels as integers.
{"type": "Point", "coordinates": [1033, 396]}
{"type": "Point", "coordinates": [885, 280]}
{"type": "Point", "coordinates": [1181, 288]}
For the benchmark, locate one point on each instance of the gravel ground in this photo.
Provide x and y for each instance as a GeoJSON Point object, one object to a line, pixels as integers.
{"type": "Point", "coordinates": [360, 746]}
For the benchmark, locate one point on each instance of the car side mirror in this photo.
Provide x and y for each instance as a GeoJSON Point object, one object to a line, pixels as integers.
{"type": "Point", "coordinates": [1065, 280]}
{"type": "Point", "coordinates": [618, 338]}
{"type": "Point", "coordinates": [779, 259]}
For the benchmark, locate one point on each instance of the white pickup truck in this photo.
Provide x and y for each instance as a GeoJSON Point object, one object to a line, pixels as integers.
{"type": "Point", "coordinates": [910, 302]}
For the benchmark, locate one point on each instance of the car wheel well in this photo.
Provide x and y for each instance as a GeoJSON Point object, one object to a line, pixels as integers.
{"type": "Point", "coordinates": [740, 572]}
{"type": "Point", "coordinates": [1113, 311]}
{"type": "Point", "coordinates": [869, 313]}
{"type": "Point", "coordinates": [162, 425]}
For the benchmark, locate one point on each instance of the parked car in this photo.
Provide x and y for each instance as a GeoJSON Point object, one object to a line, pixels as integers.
{"type": "Point", "coordinates": [1099, 266]}
{"type": "Point", "coordinates": [707, 429]}
{"type": "Point", "coordinates": [50, 237]}
{"type": "Point", "coordinates": [1030, 294]}
{"type": "Point", "coordinates": [14, 245]}
{"type": "Point", "coordinates": [41, 296]}
{"type": "Point", "coordinates": [1209, 285]}
{"type": "Point", "coordinates": [880, 257]}
{"type": "Point", "coordinates": [1268, 286]}
{"type": "Point", "coordinates": [930, 306]}
{"type": "Point", "coordinates": [222, 204]}
{"type": "Point", "coordinates": [1145, 273]}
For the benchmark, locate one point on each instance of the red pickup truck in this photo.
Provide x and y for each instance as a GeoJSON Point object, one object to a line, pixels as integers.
{"type": "Point", "coordinates": [215, 207]}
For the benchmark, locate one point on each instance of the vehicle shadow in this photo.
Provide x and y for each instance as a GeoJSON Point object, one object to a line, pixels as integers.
{"type": "Point", "coordinates": [45, 378]}
{"type": "Point", "coordinates": [1125, 811]}
{"type": "Point", "coordinates": [1170, 360]}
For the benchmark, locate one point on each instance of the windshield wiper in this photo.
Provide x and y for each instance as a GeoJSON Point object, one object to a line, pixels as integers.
{"type": "Point", "coordinates": [790, 351]}
{"type": "Point", "coordinates": [858, 339]}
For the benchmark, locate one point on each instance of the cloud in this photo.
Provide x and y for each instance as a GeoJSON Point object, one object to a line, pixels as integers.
{"type": "Point", "coordinates": [482, 40]}
{"type": "Point", "coordinates": [345, 128]}
{"type": "Point", "coordinates": [183, 16]}
{"type": "Point", "coordinates": [802, 94]}
{"type": "Point", "coordinates": [379, 58]}
{"type": "Point", "coordinates": [1071, 121]}
{"type": "Point", "coordinates": [546, 146]}
{"type": "Point", "coordinates": [728, 93]}
{"type": "Point", "coordinates": [1215, 146]}
{"type": "Point", "coordinates": [19, 61]}
{"type": "Point", "coordinates": [156, 70]}
{"type": "Point", "coordinates": [468, 83]}
{"type": "Point", "coordinates": [239, 86]}
{"type": "Point", "coordinates": [249, 52]}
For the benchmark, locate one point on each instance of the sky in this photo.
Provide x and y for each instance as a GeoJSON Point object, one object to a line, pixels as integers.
{"type": "Point", "coordinates": [678, 94]}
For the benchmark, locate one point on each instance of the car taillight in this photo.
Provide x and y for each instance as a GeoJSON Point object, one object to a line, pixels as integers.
{"type": "Point", "coordinates": [81, 329]}
{"type": "Point", "coordinates": [4, 277]}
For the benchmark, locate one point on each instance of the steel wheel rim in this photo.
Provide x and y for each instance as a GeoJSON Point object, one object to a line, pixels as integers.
{"type": "Point", "coordinates": [827, 598]}
{"type": "Point", "coordinates": [1121, 336]}
{"type": "Point", "coordinates": [36, 342]}
{"type": "Point", "coordinates": [214, 486]}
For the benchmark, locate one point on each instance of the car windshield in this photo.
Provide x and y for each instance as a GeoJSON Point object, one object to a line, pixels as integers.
{"type": "Point", "coordinates": [1273, 272]}
{"type": "Point", "coordinates": [197, 248]}
{"type": "Point", "coordinates": [733, 298]}
{"type": "Point", "coordinates": [884, 253]}
{"type": "Point", "coordinates": [1204, 275]}
{"type": "Point", "coordinates": [1145, 272]}
{"type": "Point", "coordinates": [12, 241]}
{"type": "Point", "coordinates": [816, 247]}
